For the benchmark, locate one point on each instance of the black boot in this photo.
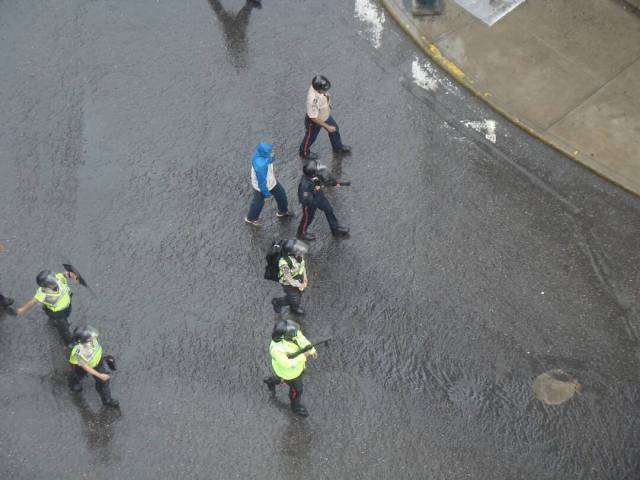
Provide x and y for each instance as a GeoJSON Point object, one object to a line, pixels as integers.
{"type": "Point", "coordinates": [297, 310]}
{"type": "Point", "coordinates": [345, 150]}
{"type": "Point", "coordinates": [340, 232]}
{"type": "Point", "coordinates": [276, 305]}
{"type": "Point", "coordinates": [299, 409]}
{"type": "Point", "coordinates": [111, 403]}
{"type": "Point", "coordinates": [6, 301]}
{"type": "Point", "coordinates": [271, 383]}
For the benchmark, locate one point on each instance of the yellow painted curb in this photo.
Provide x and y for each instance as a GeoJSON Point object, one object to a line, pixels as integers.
{"type": "Point", "coordinates": [433, 52]}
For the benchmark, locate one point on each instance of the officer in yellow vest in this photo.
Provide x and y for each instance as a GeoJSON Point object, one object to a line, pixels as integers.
{"type": "Point", "coordinates": [287, 338]}
{"type": "Point", "coordinates": [292, 276]}
{"type": "Point", "coordinates": [54, 294]}
{"type": "Point", "coordinates": [86, 357]}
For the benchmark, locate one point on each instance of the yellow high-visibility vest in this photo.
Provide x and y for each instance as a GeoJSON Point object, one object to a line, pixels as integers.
{"type": "Point", "coordinates": [55, 301]}
{"type": "Point", "coordinates": [284, 367]}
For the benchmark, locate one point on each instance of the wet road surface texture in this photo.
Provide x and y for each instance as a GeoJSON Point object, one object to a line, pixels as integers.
{"type": "Point", "coordinates": [475, 263]}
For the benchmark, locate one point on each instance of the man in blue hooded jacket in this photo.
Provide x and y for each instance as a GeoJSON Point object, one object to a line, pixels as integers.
{"type": "Point", "coordinates": [265, 185]}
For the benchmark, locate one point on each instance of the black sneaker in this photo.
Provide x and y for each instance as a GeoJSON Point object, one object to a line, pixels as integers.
{"type": "Point", "coordinates": [286, 214]}
{"type": "Point", "coordinates": [297, 310]}
{"type": "Point", "coordinates": [276, 307]}
{"type": "Point", "coordinates": [300, 409]}
{"type": "Point", "coordinates": [255, 223]}
{"type": "Point", "coordinates": [310, 156]}
{"type": "Point", "coordinates": [309, 237]}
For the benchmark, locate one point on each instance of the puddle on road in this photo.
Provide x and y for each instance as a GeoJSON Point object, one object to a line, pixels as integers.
{"type": "Point", "coordinates": [555, 387]}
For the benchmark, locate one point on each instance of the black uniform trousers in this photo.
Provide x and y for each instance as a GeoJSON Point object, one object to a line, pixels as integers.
{"type": "Point", "coordinates": [309, 211]}
{"type": "Point", "coordinates": [78, 373]}
{"type": "Point", "coordinates": [295, 387]}
{"type": "Point", "coordinates": [292, 297]}
{"type": "Point", "coordinates": [60, 320]}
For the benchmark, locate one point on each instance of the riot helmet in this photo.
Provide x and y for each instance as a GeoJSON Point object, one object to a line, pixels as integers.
{"type": "Point", "coordinates": [84, 333]}
{"type": "Point", "coordinates": [320, 83]}
{"type": "Point", "coordinates": [295, 247]}
{"type": "Point", "coordinates": [284, 329]}
{"type": "Point", "coordinates": [310, 168]}
{"type": "Point", "coordinates": [47, 279]}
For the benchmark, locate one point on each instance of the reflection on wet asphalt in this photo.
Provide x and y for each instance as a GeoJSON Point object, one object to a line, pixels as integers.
{"type": "Point", "coordinates": [125, 141]}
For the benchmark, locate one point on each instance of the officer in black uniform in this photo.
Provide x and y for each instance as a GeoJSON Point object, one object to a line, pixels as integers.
{"type": "Point", "coordinates": [311, 197]}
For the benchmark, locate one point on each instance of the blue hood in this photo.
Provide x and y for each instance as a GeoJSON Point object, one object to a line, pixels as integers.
{"type": "Point", "coordinates": [264, 150]}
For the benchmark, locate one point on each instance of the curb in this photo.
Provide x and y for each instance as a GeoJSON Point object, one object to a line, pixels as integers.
{"type": "Point", "coordinates": [432, 51]}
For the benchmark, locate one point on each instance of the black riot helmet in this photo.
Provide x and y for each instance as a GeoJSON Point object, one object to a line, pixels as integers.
{"type": "Point", "coordinates": [310, 168]}
{"type": "Point", "coordinates": [295, 247]}
{"type": "Point", "coordinates": [320, 83]}
{"type": "Point", "coordinates": [46, 278]}
{"type": "Point", "coordinates": [284, 329]}
{"type": "Point", "coordinates": [84, 333]}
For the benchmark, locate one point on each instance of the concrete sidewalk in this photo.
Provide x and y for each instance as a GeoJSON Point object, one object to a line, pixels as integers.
{"type": "Point", "coordinates": [567, 71]}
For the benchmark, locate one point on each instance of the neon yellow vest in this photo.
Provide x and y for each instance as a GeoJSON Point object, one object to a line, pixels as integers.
{"type": "Point", "coordinates": [284, 367]}
{"type": "Point", "coordinates": [55, 301]}
{"type": "Point", "coordinates": [83, 354]}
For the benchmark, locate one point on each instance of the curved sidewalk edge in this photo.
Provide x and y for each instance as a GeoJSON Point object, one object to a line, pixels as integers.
{"type": "Point", "coordinates": [405, 21]}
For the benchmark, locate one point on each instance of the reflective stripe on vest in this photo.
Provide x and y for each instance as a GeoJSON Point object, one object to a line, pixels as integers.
{"type": "Point", "coordinates": [83, 354]}
{"type": "Point", "coordinates": [296, 269]}
{"type": "Point", "coordinates": [56, 301]}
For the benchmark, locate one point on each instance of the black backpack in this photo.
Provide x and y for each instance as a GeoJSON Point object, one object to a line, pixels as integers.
{"type": "Point", "coordinates": [273, 258]}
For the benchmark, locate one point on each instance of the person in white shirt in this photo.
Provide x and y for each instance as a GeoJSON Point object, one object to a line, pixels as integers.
{"type": "Point", "coordinates": [319, 116]}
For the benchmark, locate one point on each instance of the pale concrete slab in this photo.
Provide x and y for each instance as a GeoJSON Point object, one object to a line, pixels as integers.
{"type": "Point", "coordinates": [489, 11]}
{"type": "Point", "coordinates": [606, 127]}
{"type": "Point", "coordinates": [528, 78]}
{"type": "Point", "coordinates": [601, 36]}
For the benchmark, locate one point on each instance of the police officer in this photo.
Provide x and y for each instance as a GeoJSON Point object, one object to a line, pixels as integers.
{"type": "Point", "coordinates": [311, 197]}
{"type": "Point", "coordinates": [55, 296]}
{"type": "Point", "coordinates": [87, 358]}
{"type": "Point", "coordinates": [292, 275]}
{"type": "Point", "coordinates": [319, 116]}
{"type": "Point", "coordinates": [287, 338]}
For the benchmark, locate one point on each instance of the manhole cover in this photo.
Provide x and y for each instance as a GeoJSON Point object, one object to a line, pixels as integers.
{"type": "Point", "coordinates": [555, 387]}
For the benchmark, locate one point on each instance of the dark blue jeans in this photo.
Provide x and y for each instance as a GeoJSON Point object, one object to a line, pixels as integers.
{"type": "Point", "coordinates": [257, 202]}
{"type": "Point", "coordinates": [311, 133]}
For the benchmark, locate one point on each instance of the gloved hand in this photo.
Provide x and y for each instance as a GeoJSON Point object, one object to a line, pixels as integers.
{"type": "Point", "coordinates": [111, 362]}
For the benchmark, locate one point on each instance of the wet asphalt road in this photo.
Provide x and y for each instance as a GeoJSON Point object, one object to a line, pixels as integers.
{"type": "Point", "coordinates": [126, 131]}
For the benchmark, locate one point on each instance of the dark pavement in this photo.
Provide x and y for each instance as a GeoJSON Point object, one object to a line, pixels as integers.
{"type": "Point", "coordinates": [125, 140]}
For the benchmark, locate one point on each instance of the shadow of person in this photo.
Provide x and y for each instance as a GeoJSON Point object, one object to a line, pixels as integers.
{"type": "Point", "coordinates": [98, 427]}
{"type": "Point", "coordinates": [235, 29]}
